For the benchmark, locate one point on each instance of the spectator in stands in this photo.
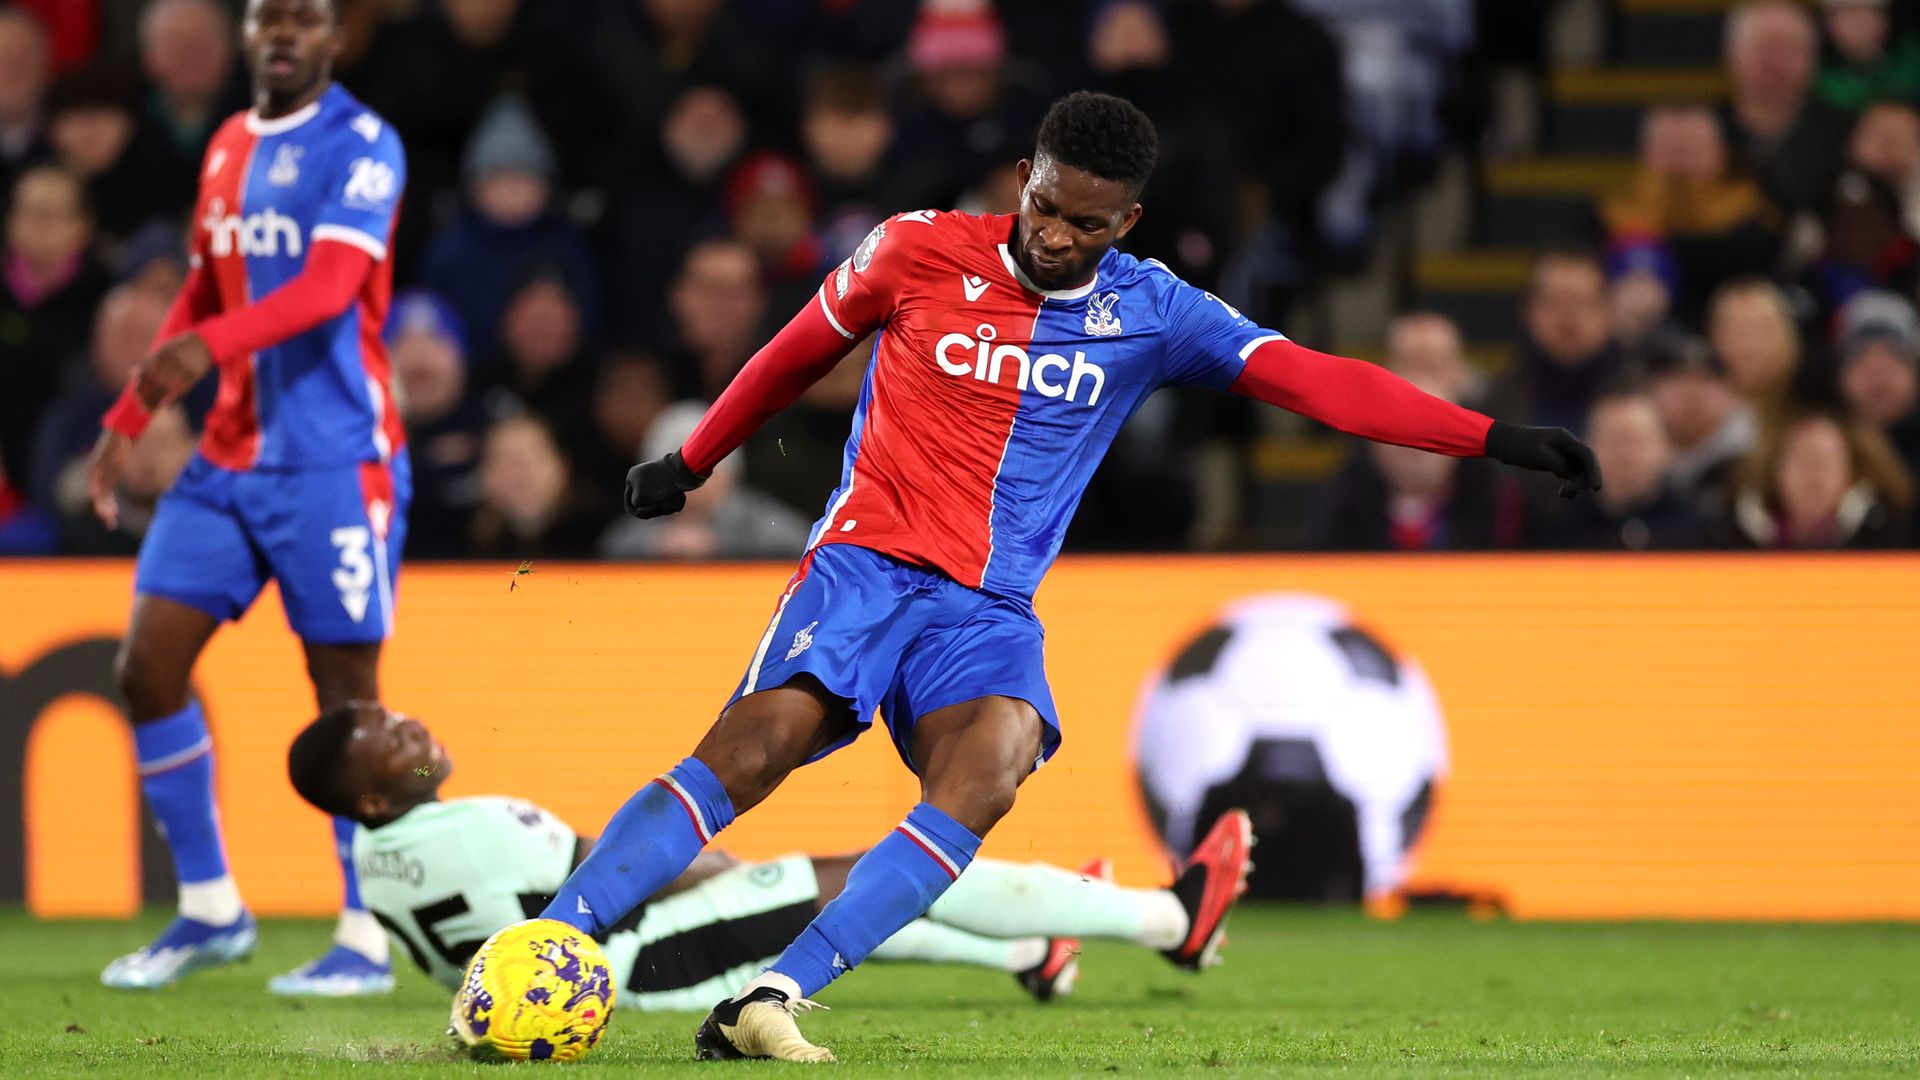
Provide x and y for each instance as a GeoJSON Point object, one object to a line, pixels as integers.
{"type": "Point", "coordinates": [508, 226]}
{"type": "Point", "coordinates": [997, 192]}
{"type": "Point", "coordinates": [435, 75]}
{"type": "Point", "coordinates": [153, 258]}
{"type": "Point", "coordinates": [49, 286]}
{"type": "Point", "coordinates": [123, 330]}
{"type": "Point", "coordinates": [427, 344]}
{"type": "Point", "coordinates": [724, 519]}
{"type": "Point", "coordinates": [969, 110]}
{"type": "Point", "coordinates": [685, 43]}
{"type": "Point", "coordinates": [848, 132]}
{"type": "Point", "coordinates": [1395, 498]}
{"type": "Point", "coordinates": [1866, 244]}
{"type": "Point", "coordinates": [1425, 347]}
{"type": "Point", "coordinates": [1130, 52]}
{"type": "Point", "coordinates": [529, 505]}
{"type": "Point", "coordinates": [1866, 62]}
{"type": "Point", "coordinates": [1396, 58]}
{"type": "Point", "coordinates": [187, 53]}
{"type": "Point", "coordinates": [25, 68]}
{"type": "Point", "coordinates": [1751, 327]}
{"type": "Point", "coordinates": [156, 459]}
{"type": "Point", "coordinates": [630, 390]}
{"type": "Point", "coordinates": [73, 29]}
{"type": "Point", "coordinates": [1641, 279]}
{"type": "Point", "coordinates": [1886, 145]}
{"type": "Point", "coordinates": [1567, 354]}
{"type": "Point", "coordinates": [541, 365]}
{"type": "Point", "coordinates": [677, 202]}
{"type": "Point", "coordinates": [1687, 195]}
{"type": "Point", "coordinates": [1287, 132]}
{"type": "Point", "coordinates": [1819, 481]}
{"type": "Point", "coordinates": [1793, 143]}
{"type": "Point", "coordinates": [770, 205]}
{"type": "Point", "coordinates": [1640, 508]}
{"type": "Point", "coordinates": [718, 303]}
{"type": "Point", "coordinates": [91, 126]}
{"type": "Point", "coordinates": [1708, 426]}
{"type": "Point", "coordinates": [1879, 354]}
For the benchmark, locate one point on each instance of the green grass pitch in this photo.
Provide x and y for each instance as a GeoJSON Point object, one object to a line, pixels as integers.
{"type": "Point", "coordinates": [1303, 993]}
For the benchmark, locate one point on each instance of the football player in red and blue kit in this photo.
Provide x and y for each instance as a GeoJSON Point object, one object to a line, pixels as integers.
{"type": "Point", "coordinates": [301, 474]}
{"type": "Point", "coordinates": [1010, 351]}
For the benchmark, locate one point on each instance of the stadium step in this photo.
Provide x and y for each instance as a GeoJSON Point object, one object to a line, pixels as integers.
{"type": "Point", "coordinates": [1597, 110]}
{"type": "Point", "coordinates": [1544, 201]}
{"type": "Point", "coordinates": [1478, 288]}
{"type": "Point", "coordinates": [1668, 31]}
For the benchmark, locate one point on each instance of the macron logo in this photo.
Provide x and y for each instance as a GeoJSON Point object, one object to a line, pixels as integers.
{"type": "Point", "coordinates": [974, 285]}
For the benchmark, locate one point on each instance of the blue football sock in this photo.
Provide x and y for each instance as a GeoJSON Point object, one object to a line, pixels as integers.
{"type": "Point", "coordinates": [176, 773]}
{"type": "Point", "coordinates": [893, 884]}
{"type": "Point", "coordinates": [343, 830]}
{"type": "Point", "coordinates": [646, 845]}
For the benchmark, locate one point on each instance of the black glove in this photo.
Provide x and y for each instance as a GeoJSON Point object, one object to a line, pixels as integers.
{"type": "Point", "coordinates": [1544, 449]}
{"type": "Point", "coordinates": [657, 488]}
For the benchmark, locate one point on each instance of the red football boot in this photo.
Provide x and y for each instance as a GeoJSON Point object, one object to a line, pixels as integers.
{"type": "Point", "coordinates": [1214, 877]}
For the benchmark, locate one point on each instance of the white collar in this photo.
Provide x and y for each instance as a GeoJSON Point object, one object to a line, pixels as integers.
{"type": "Point", "coordinates": [1057, 294]}
{"type": "Point", "coordinates": [257, 125]}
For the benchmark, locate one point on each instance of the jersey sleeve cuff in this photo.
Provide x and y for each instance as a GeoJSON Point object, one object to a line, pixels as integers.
{"type": "Point", "coordinates": [127, 416]}
{"type": "Point", "coordinates": [834, 322]}
{"type": "Point", "coordinates": [348, 235]}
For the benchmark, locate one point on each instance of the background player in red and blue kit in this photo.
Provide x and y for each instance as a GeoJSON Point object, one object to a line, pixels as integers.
{"type": "Point", "coordinates": [1011, 350]}
{"type": "Point", "coordinates": [301, 475]}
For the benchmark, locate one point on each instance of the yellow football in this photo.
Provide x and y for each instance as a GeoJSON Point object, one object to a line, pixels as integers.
{"type": "Point", "coordinates": [538, 990]}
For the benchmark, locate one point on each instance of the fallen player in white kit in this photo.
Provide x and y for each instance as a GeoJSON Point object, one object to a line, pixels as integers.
{"type": "Point", "coordinates": [443, 876]}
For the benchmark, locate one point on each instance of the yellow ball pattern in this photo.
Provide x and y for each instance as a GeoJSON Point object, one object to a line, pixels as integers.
{"type": "Point", "coordinates": [538, 990]}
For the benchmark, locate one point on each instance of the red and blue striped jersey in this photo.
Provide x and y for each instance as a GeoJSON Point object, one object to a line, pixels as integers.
{"type": "Point", "coordinates": [269, 191]}
{"type": "Point", "coordinates": [989, 403]}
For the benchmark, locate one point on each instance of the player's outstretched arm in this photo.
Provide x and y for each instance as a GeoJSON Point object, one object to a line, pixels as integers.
{"type": "Point", "coordinates": [801, 354]}
{"type": "Point", "coordinates": [1369, 401]}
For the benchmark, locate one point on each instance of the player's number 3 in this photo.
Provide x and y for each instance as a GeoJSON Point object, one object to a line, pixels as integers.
{"type": "Point", "coordinates": [354, 576]}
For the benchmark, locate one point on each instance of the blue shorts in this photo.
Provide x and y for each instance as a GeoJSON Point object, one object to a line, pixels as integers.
{"type": "Point", "coordinates": [330, 536]}
{"type": "Point", "coordinates": [903, 640]}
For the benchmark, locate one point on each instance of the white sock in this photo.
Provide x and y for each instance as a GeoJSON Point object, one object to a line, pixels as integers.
{"type": "Point", "coordinates": [1014, 900]}
{"type": "Point", "coordinates": [360, 931]}
{"type": "Point", "coordinates": [926, 940]}
{"type": "Point", "coordinates": [1165, 925]}
{"type": "Point", "coordinates": [774, 979]}
{"type": "Point", "coordinates": [215, 902]}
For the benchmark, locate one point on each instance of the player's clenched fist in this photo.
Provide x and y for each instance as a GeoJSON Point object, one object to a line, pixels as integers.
{"type": "Point", "coordinates": [1549, 450]}
{"type": "Point", "coordinates": [658, 488]}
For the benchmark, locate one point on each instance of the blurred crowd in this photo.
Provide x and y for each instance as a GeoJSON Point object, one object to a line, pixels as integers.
{"type": "Point", "coordinates": [613, 203]}
{"type": "Point", "coordinates": [1739, 343]}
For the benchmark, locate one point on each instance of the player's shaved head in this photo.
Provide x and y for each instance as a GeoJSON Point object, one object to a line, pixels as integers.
{"type": "Point", "coordinates": [363, 762]}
